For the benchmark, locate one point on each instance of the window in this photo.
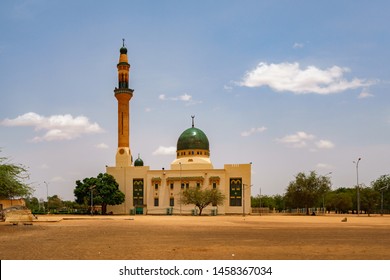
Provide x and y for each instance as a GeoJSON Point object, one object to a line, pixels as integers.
{"type": "Point", "coordinates": [214, 185]}
{"type": "Point", "coordinates": [156, 187]}
{"type": "Point", "coordinates": [171, 186]}
{"type": "Point", "coordinates": [197, 184]}
{"type": "Point", "coordinates": [235, 192]}
{"type": "Point", "coordinates": [182, 185]}
{"type": "Point", "coordinates": [172, 201]}
{"type": "Point", "coordinates": [156, 201]}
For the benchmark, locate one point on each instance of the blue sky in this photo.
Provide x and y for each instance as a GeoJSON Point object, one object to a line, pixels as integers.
{"type": "Point", "coordinates": [291, 86]}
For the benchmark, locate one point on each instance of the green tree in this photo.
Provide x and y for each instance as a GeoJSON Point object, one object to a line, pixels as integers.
{"type": "Point", "coordinates": [339, 200]}
{"type": "Point", "coordinates": [12, 179]}
{"type": "Point", "coordinates": [201, 198]}
{"type": "Point", "coordinates": [307, 190]}
{"type": "Point", "coordinates": [280, 203]}
{"type": "Point", "coordinates": [104, 188]}
{"type": "Point", "coordinates": [55, 202]}
{"type": "Point", "coordinates": [32, 203]}
{"type": "Point", "coordinates": [263, 201]}
{"type": "Point", "coordinates": [369, 199]}
{"type": "Point", "coordinates": [382, 185]}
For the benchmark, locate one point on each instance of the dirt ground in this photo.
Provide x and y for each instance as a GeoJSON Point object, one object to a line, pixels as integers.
{"type": "Point", "coordinates": [192, 238]}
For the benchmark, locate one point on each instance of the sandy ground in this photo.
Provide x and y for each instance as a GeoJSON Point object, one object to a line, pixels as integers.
{"type": "Point", "coordinates": [192, 238]}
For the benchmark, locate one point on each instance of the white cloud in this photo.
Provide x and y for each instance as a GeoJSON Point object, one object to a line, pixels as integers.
{"type": "Point", "coordinates": [161, 150]}
{"type": "Point", "coordinates": [298, 45]}
{"type": "Point", "coordinates": [101, 146]}
{"type": "Point", "coordinates": [365, 94]}
{"type": "Point", "coordinates": [185, 98]}
{"type": "Point", "coordinates": [57, 127]}
{"type": "Point", "coordinates": [302, 139]}
{"type": "Point", "coordinates": [325, 144]}
{"type": "Point", "coordinates": [290, 77]}
{"type": "Point", "coordinates": [228, 87]}
{"type": "Point", "coordinates": [297, 140]}
{"type": "Point", "coordinates": [253, 130]}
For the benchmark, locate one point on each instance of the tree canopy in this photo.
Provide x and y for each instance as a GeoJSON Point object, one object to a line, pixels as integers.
{"type": "Point", "coordinates": [382, 185]}
{"type": "Point", "coordinates": [104, 188]}
{"type": "Point", "coordinates": [201, 198]}
{"type": "Point", "coordinates": [12, 179]}
{"type": "Point", "coordinates": [307, 190]}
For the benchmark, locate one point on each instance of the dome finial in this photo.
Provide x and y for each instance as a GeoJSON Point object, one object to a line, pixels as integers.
{"type": "Point", "coordinates": [193, 117]}
{"type": "Point", "coordinates": [123, 49]}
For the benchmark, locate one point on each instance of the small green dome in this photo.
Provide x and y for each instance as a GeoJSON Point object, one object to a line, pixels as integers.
{"type": "Point", "coordinates": [123, 50]}
{"type": "Point", "coordinates": [193, 139]}
{"type": "Point", "coordinates": [138, 162]}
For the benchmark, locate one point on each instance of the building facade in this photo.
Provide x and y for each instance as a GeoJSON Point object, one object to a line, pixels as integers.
{"type": "Point", "coordinates": [150, 191]}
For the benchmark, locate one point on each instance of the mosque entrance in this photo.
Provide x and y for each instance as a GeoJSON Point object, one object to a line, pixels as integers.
{"type": "Point", "coordinates": [138, 196]}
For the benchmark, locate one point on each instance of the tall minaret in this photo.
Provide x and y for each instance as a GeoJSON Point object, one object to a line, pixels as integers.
{"type": "Point", "coordinates": [123, 94]}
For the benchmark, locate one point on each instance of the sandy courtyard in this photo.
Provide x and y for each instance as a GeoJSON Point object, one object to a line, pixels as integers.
{"type": "Point", "coordinates": [189, 238]}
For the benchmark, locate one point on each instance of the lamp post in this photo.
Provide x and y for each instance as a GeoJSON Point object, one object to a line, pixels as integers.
{"type": "Point", "coordinates": [47, 194]}
{"type": "Point", "coordinates": [357, 185]}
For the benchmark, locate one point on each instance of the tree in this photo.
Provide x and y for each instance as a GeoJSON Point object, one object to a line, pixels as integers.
{"type": "Point", "coordinates": [54, 202]}
{"type": "Point", "coordinates": [340, 200]}
{"type": "Point", "coordinates": [11, 180]}
{"type": "Point", "coordinates": [382, 185]}
{"type": "Point", "coordinates": [307, 190]}
{"type": "Point", "coordinates": [201, 198]}
{"type": "Point", "coordinates": [369, 199]}
{"type": "Point", "coordinates": [104, 188]}
{"type": "Point", "coordinates": [32, 203]}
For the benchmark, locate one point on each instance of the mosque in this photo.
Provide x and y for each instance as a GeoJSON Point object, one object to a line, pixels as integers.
{"type": "Point", "coordinates": [150, 191]}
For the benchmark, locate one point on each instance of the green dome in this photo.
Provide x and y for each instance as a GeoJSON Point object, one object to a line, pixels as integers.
{"type": "Point", "coordinates": [138, 162]}
{"type": "Point", "coordinates": [123, 50]}
{"type": "Point", "coordinates": [193, 139]}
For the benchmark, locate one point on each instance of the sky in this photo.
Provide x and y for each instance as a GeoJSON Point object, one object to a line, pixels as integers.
{"type": "Point", "coordinates": [291, 86]}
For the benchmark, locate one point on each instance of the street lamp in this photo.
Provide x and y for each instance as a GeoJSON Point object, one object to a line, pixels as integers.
{"type": "Point", "coordinates": [47, 194]}
{"type": "Point", "coordinates": [357, 185]}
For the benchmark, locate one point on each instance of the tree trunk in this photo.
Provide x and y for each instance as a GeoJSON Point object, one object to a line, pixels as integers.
{"type": "Point", "coordinates": [104, 208]}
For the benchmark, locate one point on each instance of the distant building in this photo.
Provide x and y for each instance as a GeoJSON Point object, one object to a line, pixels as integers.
{"type": "Point", "coordinates": [158, 191]}
{"type": "Point", "coordinates": [6, 203]}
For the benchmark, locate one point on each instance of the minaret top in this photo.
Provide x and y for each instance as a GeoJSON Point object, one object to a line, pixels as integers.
{"type": "Point", "coordinates": [123, 49]}
{"type": "Point", "coordinates": [123, 56]}
{"type": "Point", "coordinates": [193, 117]}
